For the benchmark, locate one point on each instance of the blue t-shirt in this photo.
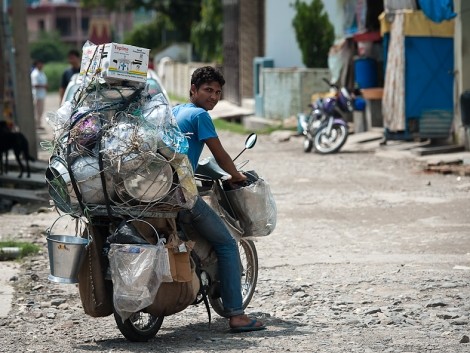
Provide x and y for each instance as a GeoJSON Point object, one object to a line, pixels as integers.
{"type": "Point", "coordinates": [198, 124]}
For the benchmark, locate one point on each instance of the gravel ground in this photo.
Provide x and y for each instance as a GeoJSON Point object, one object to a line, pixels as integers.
{"type": "Point", "coordinates": [370, 254]}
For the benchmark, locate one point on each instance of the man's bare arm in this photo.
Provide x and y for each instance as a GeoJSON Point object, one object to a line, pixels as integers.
{"type": "Point", "coordinates": [223, 159]}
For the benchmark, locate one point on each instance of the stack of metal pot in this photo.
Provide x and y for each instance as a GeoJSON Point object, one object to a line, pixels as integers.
{"type": "Point", "coordinates": [117, 146]}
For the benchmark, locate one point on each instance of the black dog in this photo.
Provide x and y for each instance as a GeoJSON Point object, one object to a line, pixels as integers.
{"type": "Point", "coordinates": [17, 142]}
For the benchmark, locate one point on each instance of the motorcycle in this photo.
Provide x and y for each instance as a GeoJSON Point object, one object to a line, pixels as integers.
{"type": "Point", "coordinates": [213, 186]}
{"type": "Point", "coordinates": [325, 128]}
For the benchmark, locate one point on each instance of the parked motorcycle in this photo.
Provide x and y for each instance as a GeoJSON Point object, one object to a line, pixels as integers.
{"type": "Point", "coordinates": [142, 325]}
{"type": "Point", "coordinates": [325, 128]}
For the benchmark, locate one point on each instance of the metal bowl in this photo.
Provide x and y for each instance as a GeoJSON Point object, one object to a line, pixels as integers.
{"type": "Point", "coordinates": [60, 186]}
{"type": "Point", "coordinates": [132, 162]}
{"type": "Point", "coordinates": [146, 185]}
{"type": "Point", "coordinates": [86, 171]}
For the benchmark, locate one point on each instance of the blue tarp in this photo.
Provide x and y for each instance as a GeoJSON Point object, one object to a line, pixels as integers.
{"type": "Point", "coordinates": [429, 66]}
{"type": "Point", "coordinates": [438, 10]}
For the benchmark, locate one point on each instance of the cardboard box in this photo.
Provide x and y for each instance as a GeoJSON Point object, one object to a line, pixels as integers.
{"type": "Point", "coordinates": [113, 61]}
{"type": "Point", "coordinates": [180, 266]}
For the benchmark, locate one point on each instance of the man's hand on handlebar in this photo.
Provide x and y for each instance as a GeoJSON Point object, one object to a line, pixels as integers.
{"type": "Point", "coordinates": [235, 182]}
{"type": "Point", "coordinates": [238, 178]}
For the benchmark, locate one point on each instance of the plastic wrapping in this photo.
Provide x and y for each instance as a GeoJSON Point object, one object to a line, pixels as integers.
{"type": "Point", "coordinates": [137, 271]}
{"type": "Point", "coordinates": [255, 208]}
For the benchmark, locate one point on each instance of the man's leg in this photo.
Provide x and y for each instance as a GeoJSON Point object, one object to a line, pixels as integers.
{"type": "Point", "coordinates": [39, 110]}
{"type": "Point", "coordinates": [209, 225]}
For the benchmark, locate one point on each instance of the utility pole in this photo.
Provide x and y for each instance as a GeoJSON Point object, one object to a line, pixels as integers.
{"type": "Point", "coordinates": [23, 95]}
{"type": "Point", "coordinates": [2, 61]}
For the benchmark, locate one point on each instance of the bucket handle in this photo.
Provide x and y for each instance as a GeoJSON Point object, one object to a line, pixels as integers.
{"type": "Point", "coordinates": [149, 224]}
{"type": "Point", "coordinates": [77, 220]}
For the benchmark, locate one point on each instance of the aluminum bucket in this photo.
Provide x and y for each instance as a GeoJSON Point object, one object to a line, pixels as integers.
{"type": "Point", "coordinates": [66, 254]}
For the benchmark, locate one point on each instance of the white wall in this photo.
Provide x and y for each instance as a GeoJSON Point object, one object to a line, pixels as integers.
{"type": "Point", "coordinates": [281, 44]}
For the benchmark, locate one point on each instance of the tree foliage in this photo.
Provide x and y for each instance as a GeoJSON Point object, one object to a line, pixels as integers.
{"type": "Point", "coordinates": [207, 35]}
{"type": "Point", "coordinates": [48, 47]}
{"type": "Point", "coordinates": [181, 13]}
{"type": "Point", "coordinates": [197, 21]}
{"type": "Point", "coordinates": [153, 35]}
{"type": "Point", "coordinates": [314, 32]}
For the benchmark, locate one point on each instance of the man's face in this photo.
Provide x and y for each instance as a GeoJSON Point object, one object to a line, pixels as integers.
{"type": "Point", "coordinates": [74, 61]}
{"type": "Point", "coordinates": [207, 96]}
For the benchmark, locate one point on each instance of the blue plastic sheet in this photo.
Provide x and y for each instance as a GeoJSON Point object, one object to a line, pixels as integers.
{"type": "Point", "coordinates": [438, 10]}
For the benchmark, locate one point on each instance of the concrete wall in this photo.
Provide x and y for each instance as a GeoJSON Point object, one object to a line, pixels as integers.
{"type": "Point", "coordinates": [288, 92]}
{"type": "Point", "coordinates": [177, 77]}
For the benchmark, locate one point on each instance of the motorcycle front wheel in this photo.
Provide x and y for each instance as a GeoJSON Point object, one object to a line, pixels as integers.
{"type": "Point", "coordinates": [249, 276]}
{"type": "Point", "coordinates": [139, 327]}
{"type": "Point", "coordinates": [330, 143]}
{"type": "Point", "coordinates": [308, 144]}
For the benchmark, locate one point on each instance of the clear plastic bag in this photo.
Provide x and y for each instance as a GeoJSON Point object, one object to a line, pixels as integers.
{"type": "Point", "coordinates": [137, 271]}
{"type": "Point", "coordinates": [255, 208]}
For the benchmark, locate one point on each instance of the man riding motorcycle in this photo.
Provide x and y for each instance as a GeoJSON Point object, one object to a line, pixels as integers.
{"type": "Point", "coordinates": [193, 120]}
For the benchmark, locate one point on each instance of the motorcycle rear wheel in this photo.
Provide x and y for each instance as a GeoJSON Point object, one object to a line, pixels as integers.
{"type": "Point", "coordinates": [325, 144]}
{"type": "Point", "coordinates": [140, 326]}
{"type": "Point", "coordinates": [249, 276]}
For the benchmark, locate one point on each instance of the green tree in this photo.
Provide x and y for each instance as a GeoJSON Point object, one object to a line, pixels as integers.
{"type": "Point", "coordinates": [314, 32]}
{"type": "Point", "coordinates": [206, 35]}
{"type": "Point", "coordinates": [181, 13]}
{"type": "Point", "coordinates": [48, 47]}
{"type": "Point", "coordinates": [153, 35]}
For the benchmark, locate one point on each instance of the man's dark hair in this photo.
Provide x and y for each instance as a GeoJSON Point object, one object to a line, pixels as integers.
{"type": "Point", "coordinates": [206, 74]}
{"type": "Point", "coordinates": [74, 52]}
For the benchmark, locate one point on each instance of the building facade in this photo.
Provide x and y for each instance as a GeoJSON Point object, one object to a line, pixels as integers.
{"type": "Point", "coordinates": [75, 24]}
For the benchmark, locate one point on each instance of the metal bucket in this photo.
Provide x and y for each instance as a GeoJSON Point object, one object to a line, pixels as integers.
{"type": "Point", "coordinates": [66, 255]}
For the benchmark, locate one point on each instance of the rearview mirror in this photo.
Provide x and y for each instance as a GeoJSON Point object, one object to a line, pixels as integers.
{"type": "Point", "coordinates": [251, 141]}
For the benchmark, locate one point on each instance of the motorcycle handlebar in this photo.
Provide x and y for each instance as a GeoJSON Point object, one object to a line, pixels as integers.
{"type": "Point", "coordinates": [329, 83]}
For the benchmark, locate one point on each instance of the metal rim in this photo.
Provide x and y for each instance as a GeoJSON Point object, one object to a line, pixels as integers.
{"type": "Point", "coordinates": [332, 143]}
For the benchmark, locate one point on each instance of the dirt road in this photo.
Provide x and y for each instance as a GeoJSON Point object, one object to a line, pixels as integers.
{"type": "Point", "coordinates": [370, 254]}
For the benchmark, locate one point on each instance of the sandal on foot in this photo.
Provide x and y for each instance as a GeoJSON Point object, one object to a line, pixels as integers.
{"type": "Point", "coordinates": [247, 328]}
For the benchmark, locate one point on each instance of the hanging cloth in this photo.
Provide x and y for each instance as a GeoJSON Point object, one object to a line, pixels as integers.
{"type": "Point", "coordinates": [393, 102]}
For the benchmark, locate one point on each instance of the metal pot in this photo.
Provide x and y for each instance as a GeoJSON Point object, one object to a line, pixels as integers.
{"type": "Point", "coordinates": [60, 186]}
{"type": "Point", "coordinates": [86, 171]}
{"type": "Point", "coordinates": [146, 185]}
